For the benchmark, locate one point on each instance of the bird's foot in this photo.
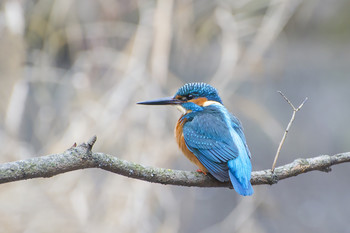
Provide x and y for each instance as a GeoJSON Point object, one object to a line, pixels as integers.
{"type": "Point", "coordinates": [200, 171]}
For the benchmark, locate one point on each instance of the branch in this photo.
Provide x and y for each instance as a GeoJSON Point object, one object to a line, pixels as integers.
{"type": "Point", "coordinates": [287, 129]}
{"type": "Point", "coordinates": [81, 157]}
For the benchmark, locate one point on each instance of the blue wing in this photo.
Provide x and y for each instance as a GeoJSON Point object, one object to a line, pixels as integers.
{"type": "Point", "coordinates": [208, 136]}
{"type": "Point", "coordinates": [237, 126]}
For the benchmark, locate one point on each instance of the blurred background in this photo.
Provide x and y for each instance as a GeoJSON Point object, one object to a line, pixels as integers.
{"type": "Point", "coordinates": [73, 69]}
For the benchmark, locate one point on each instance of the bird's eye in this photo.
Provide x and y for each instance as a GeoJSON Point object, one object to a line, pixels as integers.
{"type": "Point", "coordinates": [186, 97]}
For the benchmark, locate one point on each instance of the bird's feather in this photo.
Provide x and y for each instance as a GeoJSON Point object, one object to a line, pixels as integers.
{"type": "Point", "coordinates": [237, 126]}
{"type": "Point", "coordinates": [207, 135]}
{"type": "Point", "coordinates": [240, 171]}
{"type": "Point", "coordinates": [216, 138]}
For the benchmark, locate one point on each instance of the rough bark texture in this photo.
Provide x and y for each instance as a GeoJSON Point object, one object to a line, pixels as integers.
{"type": "Point", "coordinates": [82, 157]}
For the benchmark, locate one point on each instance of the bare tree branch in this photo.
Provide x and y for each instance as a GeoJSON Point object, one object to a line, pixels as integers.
{"type": "Point", "coordinates": [287, 129]}
{"type": "Point", "coordinates": [82, 157]}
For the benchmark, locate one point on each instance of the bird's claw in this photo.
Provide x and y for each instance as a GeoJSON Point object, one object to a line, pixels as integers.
{"type": "Point", "coordinates": [200, 171]}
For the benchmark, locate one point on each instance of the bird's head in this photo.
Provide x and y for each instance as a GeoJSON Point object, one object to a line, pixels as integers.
{"type": "Point", "coordinates": [190, 97]}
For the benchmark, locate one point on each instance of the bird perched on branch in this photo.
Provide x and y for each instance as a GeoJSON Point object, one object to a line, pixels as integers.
{"type": "Point", "coordinates": [210, 136]}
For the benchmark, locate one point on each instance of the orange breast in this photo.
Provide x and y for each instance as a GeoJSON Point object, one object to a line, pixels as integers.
{"type": "Point", "coordinates": [181, 142]}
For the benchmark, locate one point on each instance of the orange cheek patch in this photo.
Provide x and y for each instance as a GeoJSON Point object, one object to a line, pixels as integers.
{"type": "Point", "coordinates": [199, 101]}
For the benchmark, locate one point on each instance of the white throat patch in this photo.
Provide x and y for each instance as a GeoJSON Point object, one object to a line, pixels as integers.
{"type": "Point", "coordinates": [181, 109]}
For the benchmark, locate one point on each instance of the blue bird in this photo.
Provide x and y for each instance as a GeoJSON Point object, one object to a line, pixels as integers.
{"type": "Point", "coordinates": [210, 136]}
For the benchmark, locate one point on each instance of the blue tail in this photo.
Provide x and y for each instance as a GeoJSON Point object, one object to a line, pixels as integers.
{"type": "Point", "coordinates": [240, 170]}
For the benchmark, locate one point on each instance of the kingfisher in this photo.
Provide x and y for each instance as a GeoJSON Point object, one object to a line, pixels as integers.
{"type": "Point", "coordinates": [210, 136]}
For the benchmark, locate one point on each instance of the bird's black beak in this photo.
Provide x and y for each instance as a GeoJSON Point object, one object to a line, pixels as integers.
{"type": "Point", "coordinates": [162, 101]}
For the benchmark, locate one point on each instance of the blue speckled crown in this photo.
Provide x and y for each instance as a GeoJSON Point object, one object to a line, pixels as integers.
{"type": "Point", "coordinates": [199, 90]}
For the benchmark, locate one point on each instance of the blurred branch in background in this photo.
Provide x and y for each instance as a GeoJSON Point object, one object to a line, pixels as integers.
{"type": "Point", "coordinates": [81, 157]}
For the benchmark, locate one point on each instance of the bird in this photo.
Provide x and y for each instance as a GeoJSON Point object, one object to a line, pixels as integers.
{"type": "Point", "coordinates": [210, 136]}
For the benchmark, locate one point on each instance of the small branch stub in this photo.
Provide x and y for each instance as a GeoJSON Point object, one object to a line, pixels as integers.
{"type": "Point", "coordinates": [91, 142]}
{"type": "Point", "coordinates": [287, 129]}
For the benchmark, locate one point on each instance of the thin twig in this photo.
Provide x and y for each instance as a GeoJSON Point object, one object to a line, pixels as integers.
{"type": "Point", "coordinates": [287, 129]}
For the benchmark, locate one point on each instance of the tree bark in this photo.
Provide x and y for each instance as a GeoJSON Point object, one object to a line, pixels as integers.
{"type": "Point", "coordinates": [81, 157]}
